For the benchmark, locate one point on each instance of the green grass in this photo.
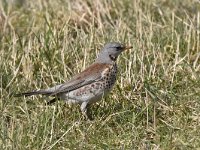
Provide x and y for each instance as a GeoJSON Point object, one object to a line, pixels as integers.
{"type": "Point", "coordinates": [155, 103]}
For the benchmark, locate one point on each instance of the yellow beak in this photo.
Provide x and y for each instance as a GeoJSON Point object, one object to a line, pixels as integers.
{"type": "Point", "coordinates": [127, 47]}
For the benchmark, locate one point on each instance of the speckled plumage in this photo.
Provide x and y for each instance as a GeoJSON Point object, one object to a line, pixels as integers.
{"type": "Point", "coordinates": [90, 85]}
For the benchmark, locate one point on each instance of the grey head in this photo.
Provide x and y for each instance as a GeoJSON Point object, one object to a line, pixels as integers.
{"type": "Point", "coordinates": [110, 52]}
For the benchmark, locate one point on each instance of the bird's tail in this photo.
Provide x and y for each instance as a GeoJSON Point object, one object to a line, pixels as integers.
{"type": "Point", "coordinates": [42, 92]}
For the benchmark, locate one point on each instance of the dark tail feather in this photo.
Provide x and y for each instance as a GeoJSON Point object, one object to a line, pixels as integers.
{"type": "Point", "coordinates": [42, 92]}
{"type": "Point", "coordinates": [33, 93]}
{"type": "Point", "coordinates": [52, 101]}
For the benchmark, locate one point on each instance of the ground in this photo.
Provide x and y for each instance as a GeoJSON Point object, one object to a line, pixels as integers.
{"type": "Point", "coordinates": [155, 103]}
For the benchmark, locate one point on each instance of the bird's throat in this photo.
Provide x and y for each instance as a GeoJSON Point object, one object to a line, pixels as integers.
{"type": "Point", "coordinates": [113, 58]}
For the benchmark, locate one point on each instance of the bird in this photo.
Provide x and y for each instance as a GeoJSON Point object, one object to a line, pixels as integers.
{"type": "Point", "coordinates": [90, 85]}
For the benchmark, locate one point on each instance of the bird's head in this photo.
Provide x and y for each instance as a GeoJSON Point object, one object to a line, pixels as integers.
{"type": "Point", "coordinates": [110, 52]}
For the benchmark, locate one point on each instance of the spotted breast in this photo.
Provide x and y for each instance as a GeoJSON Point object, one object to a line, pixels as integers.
{"type": "Point", "coordinates": [109, 77]}
{"type": "Point", "coordinates": [95, 91]}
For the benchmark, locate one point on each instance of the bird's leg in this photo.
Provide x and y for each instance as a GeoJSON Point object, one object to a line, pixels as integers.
{"type": "Point", "coordinates": [84, 110]}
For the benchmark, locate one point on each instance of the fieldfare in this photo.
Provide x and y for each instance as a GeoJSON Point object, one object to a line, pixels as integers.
{"type": "Point", "coordinates": [90, 85]}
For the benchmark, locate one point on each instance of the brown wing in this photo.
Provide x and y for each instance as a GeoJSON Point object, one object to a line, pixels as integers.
{"type": "Point", "coordinates": [89, 75]}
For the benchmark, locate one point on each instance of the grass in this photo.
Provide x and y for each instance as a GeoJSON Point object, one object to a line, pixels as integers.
{"type": "Point", "coordinates": [155, 103]}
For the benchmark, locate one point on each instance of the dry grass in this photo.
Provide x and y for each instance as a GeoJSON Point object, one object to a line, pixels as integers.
{"type": "Point", "coordinates": [155, 103]}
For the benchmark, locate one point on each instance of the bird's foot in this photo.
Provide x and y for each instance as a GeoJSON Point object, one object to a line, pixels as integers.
{"type": "Point", "coordinates": [87, 116]}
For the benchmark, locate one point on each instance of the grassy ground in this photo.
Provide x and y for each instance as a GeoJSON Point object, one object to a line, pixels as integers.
{"type": "Point", "coordinates": [155, 103]}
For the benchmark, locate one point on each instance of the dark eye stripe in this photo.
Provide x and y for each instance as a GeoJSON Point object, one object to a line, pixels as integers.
{"type": "Point", "coordinates": [119, 48]}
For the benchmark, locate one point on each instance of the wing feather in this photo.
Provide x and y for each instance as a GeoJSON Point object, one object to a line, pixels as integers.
{"type": "Point", "coordinates": [88, 76]}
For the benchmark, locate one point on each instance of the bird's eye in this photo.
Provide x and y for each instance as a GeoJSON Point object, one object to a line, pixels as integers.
{"type": "Point", "coordinates": [119, 48]}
